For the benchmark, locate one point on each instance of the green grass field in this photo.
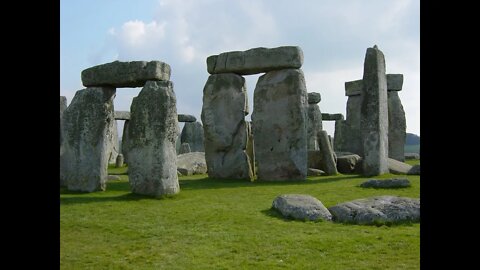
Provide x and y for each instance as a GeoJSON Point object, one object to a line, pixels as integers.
{"type": "Point", "coordinates": [228, 224]}
{"type": "Point", "coordinates": [412, 148]}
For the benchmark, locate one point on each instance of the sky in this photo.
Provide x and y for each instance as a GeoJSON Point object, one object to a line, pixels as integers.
{"type": "Point", "coordinates": [333, 34]}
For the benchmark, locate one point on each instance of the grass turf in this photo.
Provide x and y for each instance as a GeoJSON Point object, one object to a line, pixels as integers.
{"type": "Point", "coordinates": [228, 224]}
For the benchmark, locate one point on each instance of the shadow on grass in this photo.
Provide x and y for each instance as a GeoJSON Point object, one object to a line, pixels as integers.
{"type": "Point", "coordinates": [96, 199]}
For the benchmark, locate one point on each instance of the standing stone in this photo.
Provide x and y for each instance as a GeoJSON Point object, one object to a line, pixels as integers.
{"type": "Point", "coordinates": [114, 149]}
{"type": "Point", "coordinates": [119, 161]}
{"type": "Point", "coordinates": [125, 139]}
{"type": "Point", "coordinates": [63, 107]}
{"type": "Point", "coordinates": [374, 114]}
{"type": "Point", "coordinates": [192, 133]}
{"type": "Point", "coordinates": [314, 123]}
{"type": "Point", "coordinates": [250, 147]}
{"type": "Point", "coordinates": [184, 148]}
{"type": "Point", "coordinates": [397, 124]}
{"type": "Point", "coordinates": [350, 137]}
{"type": "Point", "coordinates": [152, 132]}
{"type": "Point", "coordinates": [328, 156]}
{"type": "Point", "coordinates": [88, 123]}
{"type": "Point", "coordinates": [280, 125]}
{"type": "Point", "coordinates": [223, 116]}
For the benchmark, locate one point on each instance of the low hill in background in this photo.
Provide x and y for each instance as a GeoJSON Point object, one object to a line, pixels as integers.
{"type": "Point", "coordinates": [412, 139]}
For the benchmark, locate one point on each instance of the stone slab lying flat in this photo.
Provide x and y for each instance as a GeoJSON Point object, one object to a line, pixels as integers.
{"type": "Point", "coordinates": [398, 167]}
{"type": "Point", "coordinates": [122, 115]}
{"type": "Point", "coordinates": [126, 74]}
{"type": "Point", "coordinates": [192, 163]}
{"type": "Point", "coordinates": [301, 207]}
{"type": "Point", "coordinates": [377, 210]}
{"type": "Point", "coordinates": [314, 98]}
{"type": "Point", "coordinates": [415, 170]}
{"type": "Point", "coordinates": [353, 88]}
{"type": "Point", "coordinates": [186, 118]}
{"type": "Point", "coordinates": [386, 183]}
{"type": "Point", "coordinates": [257, 60]}
{"type": "Point", "coordinates": [332, 116]}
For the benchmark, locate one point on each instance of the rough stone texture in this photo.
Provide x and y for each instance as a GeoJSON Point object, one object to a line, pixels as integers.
{"type": "Point", "coordinates": [414, 170]}
{"type": "Point", "coordinates": [332, 116]}
{"type": "Point", "coordinates": [114, 145]}
{"type": "Point", "coordinates": [301, 207]}
{"type": "Point", "coordinates": [397, 127]}
{"type": "Point", "coordinates": [186, 118]}
{"type": "Point", "coordinates": [347, 163]}
{"type": "Point", "coordinates": [314, 126]}
{"type": "Point", "coordinates": [63, 107]}
{"type": "Point", "coordinates": [412, 156]}
{"type": "Point", "coordinates": [394, 82]}
{"type": "Point", "coordinates": [341, 154]}
{"type": "Point", "coordinates": [192, 133]}
{"type": "Point", "coordinates": [314, 98]}
{"type": "Point", "coordinates": [257, 60]}
{"type": "Point", "coordinates": [88, 123]}
{"type": "Point", "coordinates": [398, 167]}
{"type": "Point", "coordinates": [353, 88]}
{"type": "Point", "coordinates": [192, 163]}
{"type": "Point", "coordinates": [125, 140]}
{"type": "Point", "coordinates": [374, 114]}
{"type": "Point", "coordinates": [122, 115]}
{"type": "Point", "coordinates": [386, 183]}
{"type": "Point", "coordinates": [119, 161]}
{"type": "Point", "coordinates": [315, 172]}
{"type": "Point", "coordinates": [348, 135]}
{"type": "Point", "coordinates": [152, 132]}
{"type": "Point", "coordinates": [377, 210]}
{"type": "Point", "coordinates": [328, 156]}
{"type": "Point", "coordinates": [113, 178]}
{"type": "Point", "coordinates": [315, 159]}
{"type": "Point", "coordinates": [250, 147]}
{"type": "Point", "coordinates": [184, 148]}
{"type": "Point", "coordinates": [126, 74]}
{"type": "Point", "coordinates": [280, 125]}
{"type": "Point", "coordinates": [223, 116]}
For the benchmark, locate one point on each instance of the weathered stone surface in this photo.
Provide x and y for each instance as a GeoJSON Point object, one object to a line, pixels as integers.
{"type": "Point", "coordinates": [398, 167]}
{"type": "Point", "coordinates": [223, 117]}
{"type": "Point", "coordinates": [152, 132]}
{"type": "Point", "coordinates": [341, 154]}
{"type": "Point", "coordinates": [192, 133]}
{"type": "Point", "coordinates": [386, 183]}
{"type": "Point", "coordinates": [315, 172]}
{"type": "Point", "coordinates": [186, 118]}
{"type": "Point", "coordinates": [122, 115]}
{"type": "Point", "coordinates": [279, 126]}
{"type": "Point", "coordinates": [114, 145]}
{"type": "Point", "coordinates": [184, 148]}
{"type": "Point", "coordinates": [328, 156]}
{"type": "Point", "coordinates": [394, 82]}
{"type": "Point", "coordinates": [374, 114]}
{"type": "Point", "coordinates": [192, 163]}
{"type": "Point", "coordinates": [250, 147]}
{"type": "Point", "coordinates": [315, 159]}
{"type": "Point", "coordinates": [314, 98]}
{"type": "Point", "coordinates": [348, 135]}
{"type": "Point", "coordinates": [63, 107]}
{"type": "Point", "coordinates": [314, 126]}
{"type": "Point", "coordinates": [412, 156]}
{"type": "Point", "coordinates": [353, 88]}
{"type": "Point", "coordinates": [377, 210]}
{"type": "Point", "coordinates": [347, 163]}
{"type": "Point", "coordinates": [88, 123]}
{"type": "Point", "coordinates": [301, 207]}
{"type": "Point", "coordinates": [257, 60]}
{"type": "Point", "coordinates": [119, 161]}
{"type": "Point", "coordinates": [414, 170]}
{"type": "Point", "coordinates": [332, 116]}
{"type": "Point", "coordinates": [113, 178]}
{"type": "Point", "coordinates": [125, 140]}
{"type": "Point", "coordinates": [126, 74]}
{"type": "Point", "coordinates": [397, 127]}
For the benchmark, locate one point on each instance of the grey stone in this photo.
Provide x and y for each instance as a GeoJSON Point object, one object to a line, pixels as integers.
{"type": "Point", "coordinates": [152, 132]}
{"type": "Point", "coordinates": [250, 147]}
{"type": "Point", "coordinates": [119, 161]}
{"type": "Point", "coordinates": [332, 116]}
{"type": "Point", "coordinates": [257, 60]}
{"type": "Point", "coordinates": [328, 156]}
{"type": "Point", "coordinates": [398, 167]}
{"type": "Point", "coordinates": [386, 183]}
{"type": "Point", "coordinates": [63, 107]}
{"type": "Point", "coordinates": [113, 178]}
{"type": "Point", "coordinates": [184, 148]}
{"type": "Point", "coordinates": [183, 172]}
{"type": "Point", "coordinates": [122, 115]}
{"type": "Point", "coordinates": [126, 74]}
{"type": "Point", "coordinates": [125, 140]}
{"type": "Point", "coordinates": [314, 126]}
{"type": "Point", "coordinates": [315, 172]}
{"type": "Point", "coordinates": [377, 210]}
{"type": "Point", "coordinates": [114, 145]}
{"type": "Point", "coordinates": [192, 133]}
{"type": "Point", "coordinates": [397, 127]}
{"type": "Point", "coordinates": [314, 98]}
{"type": "Point", "coordinates": [279, 126]}
{"type": "Point", "coordinates": [301, 207]}
{"type": "Point", "coordinates": [223, 117]}
{"type": "Point", "coordinates": [353, 88]}
{"type": "Point", "coordinates": [347, 163]}
{"type": "Point", "coordinates": [348, 136]}
{"type": "Point", "coordinates": [88, 123]}
{"type": "Point", "coordinates": [414, 170]}
{"type": "Point", "coordinates": [186, 118]}
{"type": "Point", "coordinates": [412, 156]}
{"type": "Point", "coordinates": [341, 154]}
{"type": "Point", "coordinates": [394, 82]}
{"type": "Point", "coordinates": [374, 114]}
{"type": "Point", "coordinates": [192, 163]}
{"type": "Point", "coordinates": [315, 159]}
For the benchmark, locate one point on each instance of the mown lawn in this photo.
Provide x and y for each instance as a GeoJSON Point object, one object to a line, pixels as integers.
{"type": "Point", "coordinates": [220, 224]}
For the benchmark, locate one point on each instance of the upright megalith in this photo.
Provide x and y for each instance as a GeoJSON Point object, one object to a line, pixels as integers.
{"type": "Point", "coordinates": [88, 124]}
{"type": "Point", "coordinates": [192, 133]}
{"type": "Point", "coordinates": [122, 115]}
{"type": "Point", "coordinates": [314, 123]}
{"type": "Point", "coordinates": [280, 125]}
{"type": "Point", "coordinates": [152, 132]}
{"type": "Point", "coordinates": [328, 156]}
{"type": "Point", "coordinates": [114, 145]}
{"type": "Point", "coordinates": [223, 116]}
{"type": "Point", "coordinates": [374, 114]}
{"type": "Point", "coordinates": [397, 123]}
{"type": "Point", "coordinates": [124, 146]}
{"type": "Point", "coordinates": [63, 107]}
{"type": "Point", "coordinates": [126, 74]}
